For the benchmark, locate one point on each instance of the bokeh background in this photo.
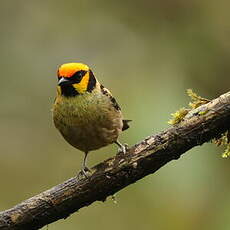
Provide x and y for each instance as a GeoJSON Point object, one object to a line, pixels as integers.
{"type": "Point", "coordinates": [148, 53]}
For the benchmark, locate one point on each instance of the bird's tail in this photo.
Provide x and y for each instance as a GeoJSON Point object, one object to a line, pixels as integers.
{"type": "Point", "coordinates": [125, 124]}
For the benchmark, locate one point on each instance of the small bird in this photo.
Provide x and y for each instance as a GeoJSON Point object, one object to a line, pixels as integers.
{"type": "Point", "coordinates": [85, 112]}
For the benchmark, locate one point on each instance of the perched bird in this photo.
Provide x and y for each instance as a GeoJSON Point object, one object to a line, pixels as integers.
{"type": "Point", "coordinates": [85, 112]}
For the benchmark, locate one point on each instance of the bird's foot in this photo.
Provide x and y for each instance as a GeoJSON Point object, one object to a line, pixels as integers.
{"type": "Point", "coordinates": [84, 173]}
{"type": "Point", "coordinates": [122, 148]}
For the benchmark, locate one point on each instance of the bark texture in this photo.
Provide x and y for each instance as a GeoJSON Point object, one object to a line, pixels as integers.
{"type": "Point", "coordinates": [200, 125]}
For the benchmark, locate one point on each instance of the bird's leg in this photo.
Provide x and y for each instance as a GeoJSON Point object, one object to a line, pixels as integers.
{"type": "Point", "coordinates": [122, 148]}
{"type": "Point", "coordinates": [84, 169]}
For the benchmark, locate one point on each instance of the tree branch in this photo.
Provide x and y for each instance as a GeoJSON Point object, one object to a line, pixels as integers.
{"type": "Point", "coordinates": [199, 125]}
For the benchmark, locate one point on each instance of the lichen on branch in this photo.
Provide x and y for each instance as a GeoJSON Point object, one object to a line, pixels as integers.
{"type": "Point", "coordinates": [197, 101]}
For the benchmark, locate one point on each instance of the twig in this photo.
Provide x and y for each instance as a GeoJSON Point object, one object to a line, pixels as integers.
{"type": "Point", "coordinates": [199, 125]}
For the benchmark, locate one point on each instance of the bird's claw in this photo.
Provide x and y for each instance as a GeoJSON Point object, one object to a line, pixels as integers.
{"type": "Point", "coordinates": [123, 148]}
{"type": "Point", "coordinates": [84, 173]}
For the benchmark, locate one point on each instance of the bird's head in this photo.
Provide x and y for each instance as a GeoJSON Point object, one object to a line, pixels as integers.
{"type": "Point", "coordinates": [75, 79]}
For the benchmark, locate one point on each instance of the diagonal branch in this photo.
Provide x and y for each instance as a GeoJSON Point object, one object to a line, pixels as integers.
{"type": "Point", "coordinates": [199, 125]}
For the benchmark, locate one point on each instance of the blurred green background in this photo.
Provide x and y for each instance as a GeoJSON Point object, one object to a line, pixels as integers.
{"type": "Point", "coordinates": [147, 53]}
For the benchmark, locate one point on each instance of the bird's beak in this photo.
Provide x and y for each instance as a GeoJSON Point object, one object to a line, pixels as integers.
{"type": "Point", "coordinates": [63, 81]}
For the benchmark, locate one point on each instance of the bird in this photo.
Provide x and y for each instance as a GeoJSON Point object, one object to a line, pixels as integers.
{"type": "Point", "coordinates": [85, 112]}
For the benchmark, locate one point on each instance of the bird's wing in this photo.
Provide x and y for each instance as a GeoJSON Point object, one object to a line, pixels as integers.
{"type": "Point", "coordinates": [110, 96]}
{"type": "Point", "coordinates": [115, 105]}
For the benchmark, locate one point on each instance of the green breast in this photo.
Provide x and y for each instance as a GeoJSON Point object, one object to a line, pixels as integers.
{"type": "Point", "coordinates": [87, 121]}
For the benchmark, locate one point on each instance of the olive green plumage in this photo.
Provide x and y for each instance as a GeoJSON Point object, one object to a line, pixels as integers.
{"type": "Point", "coordinates": [87, 121]}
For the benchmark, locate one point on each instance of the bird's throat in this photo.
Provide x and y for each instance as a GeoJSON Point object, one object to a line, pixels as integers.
{"type": "Point", "coordinates": [68, 91]}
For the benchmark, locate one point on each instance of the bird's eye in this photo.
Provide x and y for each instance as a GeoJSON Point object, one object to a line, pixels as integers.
{"type": "Point", "coordinates": [78, 76]}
